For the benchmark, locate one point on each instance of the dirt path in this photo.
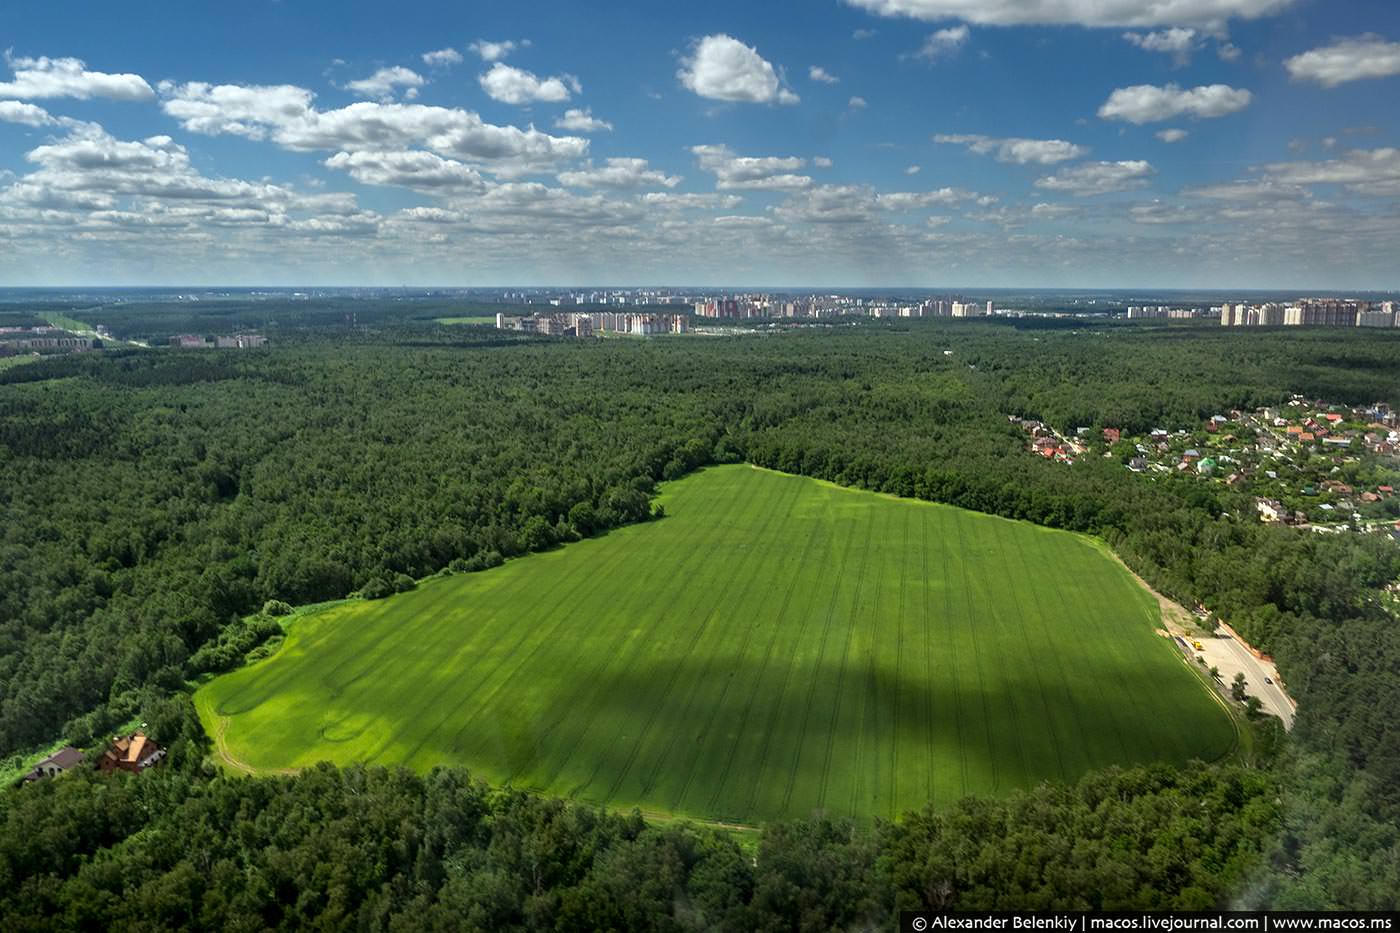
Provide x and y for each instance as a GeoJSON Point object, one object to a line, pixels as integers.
{"type": "Point", "coordinates": [661, 816]}
{"type": "Point", "coordinates": [221, 750]}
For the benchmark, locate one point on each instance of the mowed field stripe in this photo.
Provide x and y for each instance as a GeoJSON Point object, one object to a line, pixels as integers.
{"type": "Point", "coordinates": [753, 684]}
{"type": "Point", "coordinates": [894, 745]}
{"type": "Point", "coordinates": [706, 685]}
{"type": "Point", "coordinates": [1048, 762]}
{"type": "Point", "coordinates": [856, 685]}
{"type": "Point", "coordinates": [777, 696]}
{"type": "Point", "coordinates": [1119, 703]}
{"type": "Point", "coordinates": [1089, 692]}
{"type": "Point", "coordinates": [946, 635]}
{"type": "Point", "coordinates": [620, 641]}
{"type": "Point", "coordinates": [791, 700]}
{"type": "Point", "coordinates": [871, 665]}
{"type": "Point", "coordinates": [655, 635]}
{"type": "Point", "coordinates": [440, 601]}
{"type": "Point", "coordinates": [513, 668]}
{"type": "Point", "coordinates": [563, 592]}
{"type": "Point", "coordinates": [759, 678]}
{"type": "Point", "coordinates": [973, 623]}
{"type": "Point", "coordinates": [478, 652]}
{"type": "Point", "coordinates": [859, 558]}
{"type": "Point", "coordinates": [1064, 705]}
{"type": "Point", "coordinates": [924, 739]}
{"type": "Point", "coordinates": [706, 614]}
{"type": "Point", "coordinates": [1017, 702]}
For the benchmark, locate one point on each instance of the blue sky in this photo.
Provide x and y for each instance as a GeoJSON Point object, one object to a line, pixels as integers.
{"type": "Point", "coordinates": [1133, 143]}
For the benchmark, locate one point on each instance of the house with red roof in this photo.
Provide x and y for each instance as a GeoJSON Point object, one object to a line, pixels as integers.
{"type": "Point", "coordinates": [131, 753]}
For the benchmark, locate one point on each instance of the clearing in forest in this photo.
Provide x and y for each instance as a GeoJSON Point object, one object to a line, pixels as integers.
{"type": "Point", "coordinates": [773, 647]}
{"type": "Point", "coordinates": [469, 319]}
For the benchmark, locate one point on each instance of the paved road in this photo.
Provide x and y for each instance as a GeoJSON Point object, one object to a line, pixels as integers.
{"type": "Point", "coordinates": [1231, 657]}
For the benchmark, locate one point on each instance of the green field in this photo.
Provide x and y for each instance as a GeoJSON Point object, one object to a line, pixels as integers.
{"type": "Point", "coordinates": [67, 322]}
{"type": "Point", "coordinates": [18, 359]}
{"type": "Point", "coordinates": [774, 646]}
{"type": "Point", "coordinates": [489, 319]}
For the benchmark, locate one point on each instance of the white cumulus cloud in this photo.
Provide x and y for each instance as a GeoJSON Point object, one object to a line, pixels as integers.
{"type": "Point", "coordinates": [517, 86]}
{"type": "Point", "coordinates": [1354, 59]}
{"type": "Point", "coordinates": [1099, 178]}
{"type": "Point", "coordinates": [285, 115]}
{"type": "Point", "coordinates": [1207, 14]}
{"type": "Point", "coordinates": [917, 200]}
{"type": "Point", "coordinates": [582, 121]}
{"type": "Point", "coordinates": [1366, 171]}
{"type": "Point", "coordinates": [12, 111]}
{"type": "Point", "coordinates": [672, 200]}
{"type": "Point", "coordinates": [619, 173]}
{"type": "Point", "coordinates": [90, 169]}
{"type": "Point", "coordinates": [1172, 135]}
{"type": "Point", "coordinates": [1147, 103]}
{"type": "Point", "coordinates": [69, 77]}
{"type": "Point", "coordinates": [818, 73]}
{"type": "Point", "coordinates": [490, 51]}
{"type": "Point", "coordinates": [1016, 149]}
{"type": "Point", "coordinates": [943, 44]}
{"type": "Point", "coordinates": [235, 109]}
{"type": "Point", "coordinates": [416, 169]}
{"type": "Point", "coordinates": [1177, 41]}
{"type": "Point", "coordinates": [384, 83]}
{"type": "Point", "coordinates": [721, 67]}
{"type": "Point", "coordinates": [442, 58]}
{"type": "Point", "coordinates": [773, 173]}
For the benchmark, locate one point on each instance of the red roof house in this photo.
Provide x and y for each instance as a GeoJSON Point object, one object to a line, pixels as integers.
{"type": "Point", "coordinates": [134, 753]}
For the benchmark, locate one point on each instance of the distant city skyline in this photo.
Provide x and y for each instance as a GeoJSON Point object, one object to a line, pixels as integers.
{"type": "Point", "coordinates": [1208, 145]}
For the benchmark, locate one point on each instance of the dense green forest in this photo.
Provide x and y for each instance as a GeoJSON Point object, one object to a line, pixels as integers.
{"type": "Point", "coordinates": [152, 499]}
{"type": "Point", "coordinates": [378, 849]}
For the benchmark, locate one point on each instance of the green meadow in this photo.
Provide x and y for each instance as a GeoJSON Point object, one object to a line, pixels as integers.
{"type": "Point", "coordinates": [773, 647]}
{"type": "Point", "coordinates": [488, 319]}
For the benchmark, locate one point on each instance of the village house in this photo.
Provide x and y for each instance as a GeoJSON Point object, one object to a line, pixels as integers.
{"type": "Point", "coordinates": [132, 753]}
{"type": "Point", "coordinates": [65, 759]}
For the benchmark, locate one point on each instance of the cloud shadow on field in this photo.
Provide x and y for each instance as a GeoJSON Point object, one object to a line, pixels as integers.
{"type": "Point", "coordinates": [578, 735]}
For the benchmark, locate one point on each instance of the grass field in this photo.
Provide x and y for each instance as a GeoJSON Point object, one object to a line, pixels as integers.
{"type": "Point", "coordinates": [774, 646]}
{"type": "Point", "coordinates": [477, 319]}
{"type": "Point", "coordinates": [18, 360]}
{"type": "Point", "coordinates": [67, 323]}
